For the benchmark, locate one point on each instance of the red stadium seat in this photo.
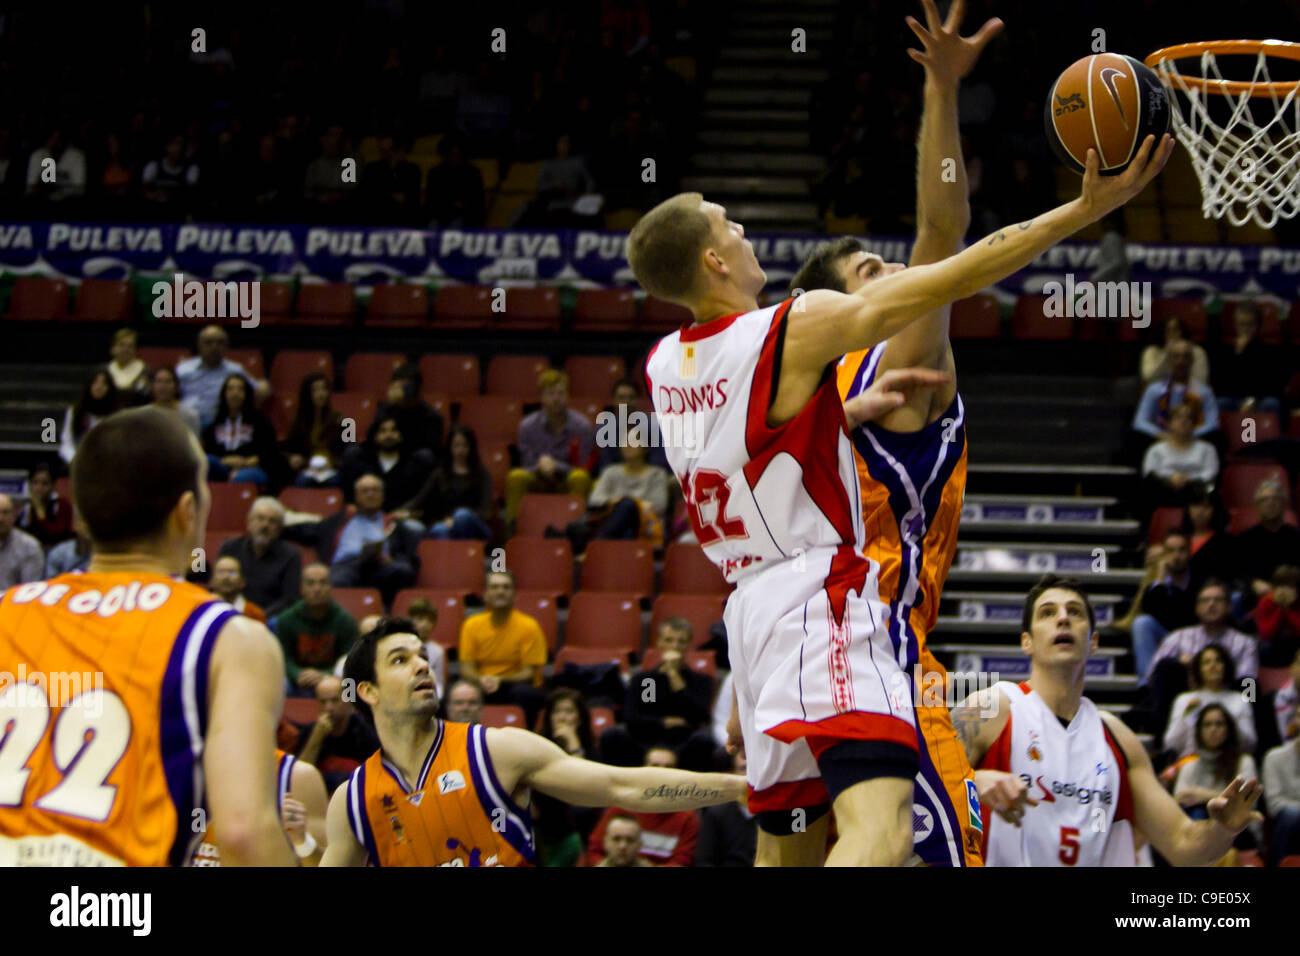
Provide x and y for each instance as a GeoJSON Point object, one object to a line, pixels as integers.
{"type": "Point", "coordinates": [594, 374]}
{"type": "Point", "coordinates": [63, 487]}
{"type": "Point", "coordinates": [398, 305]}
{"type": "Point", "coordinates": [370, 372]}
{"type": "Point", "coordinates": [493, 417]}
{"type": "Point", "coordinates": [660, 316]}
{"type": "Point", "coordinates": [602, 718]}
{"type": "Point", "coordinates": [598, 619]}
{"type": "Point", "coordinates": [544, 565]}
{"type": "Point", "coordinates": [1162, 519]}
{"type": "Point", "coordinates": [604, 310]}
{"type": "Point", "coordinates": [250, 359]}
{"type": "Point", "coordinates": [275, 301]}
{"type": "Point", "coordinates": [503, 715]}
{"type": "Point", "coordinates": [1293, 322]}
{"type": "Point", "coordinates": [1267, 426]}
{"type": "Point", "coordinates": [703, 661]}
{"type": "Point", "coordinates": [212, 542]}
{"type": "Point", "coordinates": [463, 307]}
{"type": "Point", "coordinates": [536, 309]}
{"type": "Point", "coordinates": [516, 375]}
{"type": "Point", "coordinates": [282, 409]}
{"type": "Point", "coordinates": [290, 366]}
{"type": "Point", "coordinates": [1190, 311]}
{"type": "Point", "coordinates": [326, 303]}
{"type": "Point", "coordinates": [1273, 678]}
{"type": "Point", "coordinates": [976, 317]}
{"type": "Point", "coordinates": [306, 554]}
{"type": "Point", "coordinates": [626, 567]}
{"type": "Point", "coordinates": [1238, 482]}
{"type": "Point", "coordinates": [451, 565]}
{"type": "Point", "coordinates": [593, 656]}
{"type": "Point", "coordinates": [1292, 860]}
{"type": "Point", "coordinates": [449, 605]}
{"type": "Point", "coordinates": [496, 459]}
{"type": "Point", "coordinates": [359, 602]}
{"type": "Point", "coordinates": [38, 299]}
{"type": "Point", "coordinates": [358, 406]}
{"type": "Point", "coordinates": [702, 610]}
{"type": "Point", "coordinates": [1241, 519]}
{"type": "Point", "coordinates": [536, 512]}
{"type": "Point", "coordinates": [541, 606]}
{"type": "Point", "coordinates": [156, 356]}
{"type": "Point", "coordinates": [1269, 318]}
{"type": "Point", "coordinates": [1028, 323]}
{"type": "Point", "coordinates": [455, 375]}
{"type": "Point", "coordinates": [589, 407]}
{"type": "Point", "coordinates": [688, 571]}
{"type": "Point", "coordinates": [103, 300]}
{"type": "Point", "coordinates": [315, 501]}
{"type": "Point", "coordinates": [230, 504]}
{"type": "Point", "coordinates": [301, 710]}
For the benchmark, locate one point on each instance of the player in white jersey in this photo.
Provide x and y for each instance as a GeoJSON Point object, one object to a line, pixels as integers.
{"type": "Point", "coordinates": [1065, 783]}
{"type": "Point", "coordinates": [772, 493]}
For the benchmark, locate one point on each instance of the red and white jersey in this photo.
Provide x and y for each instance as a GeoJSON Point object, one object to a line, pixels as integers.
{"type": "Point", "coordinates": [1079, 777]}
{"type": "Point", "coordinates": [755, 495]}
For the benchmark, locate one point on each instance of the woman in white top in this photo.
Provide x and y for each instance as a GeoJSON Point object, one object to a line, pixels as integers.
{"type": "Point", "coordinates": [1214, 678]}
{"type": "Point", "coordinates": [1171, 465]}
{"type": "Point", "coordinates": [127, 368]}
{"type": "Point", "coordinates": [1155, 358]}
{"type": "Point", "coordinates": [165, 391]}
{"type": "Point", "coordinates": [1219, 758]}
{"type": "Point", "coordinates": [98, 399]}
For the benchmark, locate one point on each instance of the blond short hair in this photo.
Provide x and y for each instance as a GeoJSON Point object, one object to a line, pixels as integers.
{"type": "Point", "coordinates": [664, 247]}
{"type": "Point", "coordinates": [551, 377]}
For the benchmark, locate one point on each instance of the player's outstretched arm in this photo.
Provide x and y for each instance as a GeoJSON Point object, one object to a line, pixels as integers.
{"type": "Point", "coordinates": [1181, 840]}
{"type": "Point", "coordinates": [523, 757]}
{"type": "Point", "coordinates": [823, 325]}
{"type": "Point", "coordinates": [245, 696]}
{"type": "Point", "coordinates": [341, 846]}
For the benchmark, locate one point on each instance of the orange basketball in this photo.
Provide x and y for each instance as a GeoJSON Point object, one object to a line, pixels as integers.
{"type": "Point", "coordinates": [1109, 103]}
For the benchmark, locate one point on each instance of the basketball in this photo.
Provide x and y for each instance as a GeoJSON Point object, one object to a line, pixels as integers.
{"type": "Point", "coordinates": [1107, 102]}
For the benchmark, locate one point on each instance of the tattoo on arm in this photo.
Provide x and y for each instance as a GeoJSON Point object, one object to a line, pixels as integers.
{"type": "Point", "coordinates": [996, 236]}
{"type": "Point", "coordinates": [967, 719]}
{"type": "Point", "coordinates": [1026, 224]}
{"type": "Point", "coordinates": [684, 792]}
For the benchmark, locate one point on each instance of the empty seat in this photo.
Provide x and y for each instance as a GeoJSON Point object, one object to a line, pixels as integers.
{"type": "Point", "coordinates": [503, 715]}
{"type": "Point", "coordinates": [230, 504]}
{"type": "Point", "coordinates": [158, 356]}
{"type": "Point", "coordinates": [541, 606]}
{"type": "Point", "coordinates": [1257, 426]}
{"type": "Point", "coordinates": [37, 298]}
{"type": "Point", "coordinates": [600, 619]}
{"type": "Point", "coordinates": [544, 565]}
{"type": "Point", "coordinates": [604, 310]}
{"type": "Point", "coordinates": [530, 309]}
{"type": "Point", "coordinates": [449, 605]}
{"type": "Point", "coordinates": [326, 303]}
{"type": "Point", "coordinates": [1162, 519]}
{"type": "Point", "coordinates": [687, 570]}
{"type": "Point", "coordinates": [1029, 323]}
{"type": "Point", "coordinates": [701, 610]}
{"type": "Point", "coordinates": [398, 305]}
{"type": "Point", "coordinates": [316, 501]}
{"type": "Point", "coordinates": [660, 316]}
{"type": "Point", "coordinates": [282, 409]}
{"type": "Point", "coordinates": [358, 406]}
{"type": "Point", "coordinates": [626, 567]}
{"type": "Point", "coordinates": [516, 375]}
{"type": "Point", "coordinates": [493, 417]}
{"type": "Point", "coordinates": [602, 718]}
{"type": "Point", "coordinates": [976, 317]}
{"type": "Point", "coordinates": [593, 657]}
{"type": "Point", "coordinates": [250, 359]}
{"type": "Point", "coordinates": [496, 459]}
{"type": "Point", "coordinates": [359, 602]}
{"type": "Point", "coordinates": [1238, 482]}
{"type": "Point", "coordinates": [451, 565]}
{"type": "Point", "coordinates": [594, 374]}
{"type": "Point", "coordinates": [275, 302]}
{"type": "Point", "coordinates": [290, 366]}
{"type": "Point", "coordinates": [537, 512]}
{"type": "Point", "coordinates": [301, 710]}
{"type": "Point", "coordinates": [463, 307]}
{"type": "Point", "coordinates": [455, 375]}
{"type": "Point", "coordinates": [370, 372]}
{"type": "Point", "coordinates": [212, 542]}
{"type": "Point", "coordinates": [588, 406]}
{"type": "Point", "coordinates": [103, 300]}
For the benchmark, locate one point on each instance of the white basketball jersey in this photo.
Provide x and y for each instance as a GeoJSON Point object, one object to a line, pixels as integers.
{"type": "Point", "coordinates": [1079, 777]}
{"type": "Point", "coordinates": [755, 495]}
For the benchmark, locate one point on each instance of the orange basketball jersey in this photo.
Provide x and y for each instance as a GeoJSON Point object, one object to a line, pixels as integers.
{"type": "Point", "coordinates": [208, 853]}
{"type": "Point", "coordinates": [455, 814]}
{"type": "Point", "coordinates": [105, 696]}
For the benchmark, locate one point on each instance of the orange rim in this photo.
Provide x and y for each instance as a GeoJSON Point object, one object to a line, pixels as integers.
{"type": "Point", "coordinates": [1279, 48]}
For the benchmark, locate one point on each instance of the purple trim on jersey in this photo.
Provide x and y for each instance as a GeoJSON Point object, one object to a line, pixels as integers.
{"type": "Point", "coordinates": [180, 741]}
{"type": "Point", "coordinates": [395, 772]}
{"type": "Point", "coordinates": [285, 778]}
{"type": "Point", "coordinates": [363, 814]}
{"type": "Point", "coordinates": [866, 373]}
{"type": "Point", "coordinates": [494, 798]}
{"type": "Point", "coordinates": [936, 849]}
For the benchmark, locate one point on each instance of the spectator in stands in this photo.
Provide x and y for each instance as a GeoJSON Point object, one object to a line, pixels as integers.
{"type": "Point", "coordinates": [1286, 703]}
{"type": "Point", "coordinates": [1213, 682]}
{"type": "Point", "coordinates": [1112, 256]}
{"type": "Point", "coordinates": [1167, 603]}
{"type": "Point", "coordinates": [71, 555]}
{"type": "Point", "coordinates": [555, 446]}
{"type": "Point", "coordinates": [440, 87]}
{"type": "Point", "coordinates": [272, 567]}
{"type": "Point", "coordinates": [1171, 466]}
{"type": "Point", "coordinates": [228, 584]}
{"type": "Point", "coordinates": [729, 833]}
{"type": "Point", "coordinates": [98, 400]}
{"type": "Point", "coordinates": [456, 501]}
{"type": "Point", "coordinates": [1153, 570]}
{"type": "Point", "coordinates": [1219, 758]}
{"type": "Point", "coordinates": [21, 558]}
{"type": "Point", "coordinates": [483, 113]}
{"type": "Point", "coordinates": [317, 432]}
{"type": "Point", "coordinates": [561, 181]}
{"type": "Point", "coordinates": [171, 181]}
{"type": "Point", "coordinates": [630, 499]}
{"type": "Point", "coordinates": [328, 196]}
{"type": "Point", "coordinates": [1271, 543]}
{"type": "Point", "coordinates": [504, 649]}
{"type": "Point", "coordinates": [418, 421]}
{"type": "Point", "coordinates": [1246, 376]}
{"type": "Point", "coordinates": [404, 472]}
{"type": "Point", "coordinates": [114, 178]}
{"type": "Point", "coordinates": [465, 701]}
{"type": "Point", "coordinates": [202, 377]}
{"type": "Point", "coordinates": [1277, 619]}
{"type": "Point", "coordinates": [1163, 396]}
{"type": "Point", "coordinates": [1282, 796]}
{"type": "Point", "coordinates": [566, 722]}
{"type": "Point", "coordinates": [366, 549]}
{"type": "Point", "coordinates": [128, 371]}
{"type": "Point", "coordinates": [240, 440]}
{"type": "Point", "coordinates": [271, 183]}
{"type": "Point", "coordinates": [390, 185]}
{"type": "Point", "coordinates": [1205, 524]}
{"type": "Point", "coordinates": [666, 705]}
{"type": "Point", "coordinates": [56, 171]}
{"type": "Point", "coordinates": [1155, 358]}
{"type": "Point", "coordinates": [625, 398]}
{"type": "Point", "coordinates": [622, 844]}
{"type": "Point", "coordinates": [46, 516]}
{"type": "Point", "coordinates": [340, 740]}
{"type": "Point", "coordinates": [314, 633]}
{"type": "Point", "coordinates": [667, 839]}
{"type": "Point", "coordinates": [453, 190]}
{"type": "Point", "coordinates": [425, 618]}
{"type": "Point", "coordinates": [165, 392]}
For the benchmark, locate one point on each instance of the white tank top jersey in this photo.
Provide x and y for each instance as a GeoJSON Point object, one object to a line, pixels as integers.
{"type": "Point", "coordinates": [1079, 777]}
{"type": "Point", "coordinates": [755, 495]}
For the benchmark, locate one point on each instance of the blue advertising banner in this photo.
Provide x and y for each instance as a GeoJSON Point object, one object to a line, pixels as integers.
{"type": "Point", "coordinates": [581, 258]}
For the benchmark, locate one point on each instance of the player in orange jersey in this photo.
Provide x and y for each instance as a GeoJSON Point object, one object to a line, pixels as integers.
{"type": "Point", "coordinates": [140, 702]}
{"type": "Point", "coordinates": [448, 794]}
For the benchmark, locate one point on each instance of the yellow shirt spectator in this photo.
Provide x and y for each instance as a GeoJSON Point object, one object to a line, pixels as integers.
{"type": "Point", "coordinates": [498, 650]}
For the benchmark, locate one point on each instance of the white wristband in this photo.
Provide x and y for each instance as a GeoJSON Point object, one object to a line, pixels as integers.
{"type": "Point", "coordinates": [307, 848]}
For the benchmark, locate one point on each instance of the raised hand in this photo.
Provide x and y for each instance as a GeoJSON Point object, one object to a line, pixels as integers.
{"type": "Point", "coordinates": [947, 55]}
{"type": "Point", "coordinates": [1101, 194]}
{"type": "Point", "coordinates": [1235, 807]}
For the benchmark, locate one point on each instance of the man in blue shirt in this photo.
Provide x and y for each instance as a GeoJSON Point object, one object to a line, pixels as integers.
{"type": "Point", "coordinates": [366, 549]}
{"type": "Point", "coordinates": [201, 377]}
{"type": "Point", "coordinates": [1162, 397]}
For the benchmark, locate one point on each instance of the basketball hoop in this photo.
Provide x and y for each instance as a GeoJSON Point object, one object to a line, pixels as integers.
{"type": "Point", "coordinates": [1243, 135]}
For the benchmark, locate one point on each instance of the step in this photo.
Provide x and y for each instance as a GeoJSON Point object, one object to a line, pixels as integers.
{"type": "Point", "coordinates": [790, 187]}
{"type": "Point", "coordinates": [1002, 607]}
{"type": "Point", "coordinates": [999, 650]}
{"type": "Point", "coordinates": [723, 116]}
{"type": "Point", "coordinates": [747, 75]}
{"type": "Point", "coordinates": [793, 16]}
{"type": "Point", "coordinates": [770, 213]}
{"type": "Point", "coordinates": [1061, 450]}
{"type": "Point", "coordinates": [1108, 528]}
{"type": "Point", "coordinates": [1008, 627]}
{"type": "Point", "coordinates": [751, 139]}
{"type": "Point", "coordinates": [1129, 578]}
{"type": "Point", "coordinates": [789, 163]}
{"type": "Point", "coordinates": [776, 36]}
{"type": "Point", "coordinates": [1037, 558]}
{"type": "Point", "coordinates": [1035, 509]}
{"type": "Point", "coordinates": [777, 54]}
{"type": "Point", "coordinates": [753, 95]}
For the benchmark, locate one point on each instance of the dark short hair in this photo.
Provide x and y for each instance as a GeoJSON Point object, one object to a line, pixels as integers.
{"type": "Point", "coordinates": [1046, 583]}
{"type": "Point", "coordinates": [1219, 583]}
{"type": "Point", "coordinates": [820, 271]}
{"type": "Point", "coordinates": [509, 574]}
{"type": "Point", "coordinates": [359, 666]}
{"type": "Point", "coordinates": [1173, 531]}
{"type": "Point", "coordinates": [624, 817]}
{"type": "Point", "coordinates": [1229, 666]}
{"type": "Point", "coordinates": [129, 472]}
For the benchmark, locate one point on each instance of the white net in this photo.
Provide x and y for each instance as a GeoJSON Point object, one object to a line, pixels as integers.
{"type": "Point", "coordinates": [1243, 137]}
